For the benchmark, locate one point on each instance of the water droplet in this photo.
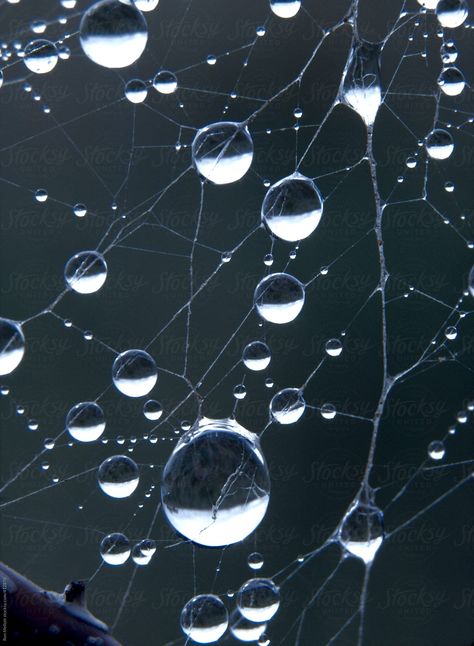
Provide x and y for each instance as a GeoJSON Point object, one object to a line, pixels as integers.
{"type": "Point", "coordinates": [361, 85]}
{"type": "Point", "coordinates": [136, 91]}
{"type": "Point", "coordinates": [451, 81]}
{"type": "Point", "coordinates": [461, 417]}
{"type": "Point", "coordinates": [49, 443]}
{"type": "Point", "coordinates": [361, 532]}
{"type": "Point", "coordinates": [449, 187]}
{"type": "Point", "coordinates": [449, 53]}
{"type": "Point", "coordinates": [260, 31]}
{"type": "Point", "coordinates": [451, 13]}
{"type": "Point", "coordinates": [436, 450]}
{"type": "Point", "coordinates": [38, 26]}
{"type": "Point", "coordinates": [285, 8]}
{"type": "Point", "coordinates": [152, 410]}
{"type": "Point", "coordinates": [411, 162]}
{"type": "Point", "coordinates": [86, 272]}
{"type": "Point", "coordinates": [292, 208]}
{"type": "Point", "coordinates": [40, 56]}
{"type": "Point", "coordinates": [138, 557]}
{"type": "Point", "coordinates": [211, 60]}
{"type": "Point", "coordinates": [439, 144]}
{"type": "Point", "coordinates": [204, 618]}
{"type": "Point", "coordinates": [258, 600]}
{"type": "Point", "coordinates": [134, 373]}
{"type": "Point", "coordinates": [85, 422]}
{"type": "Point", "coordinates": [269, 382]}
{"type": "Point", "coordinates": [451, 333]}
{"type": "Point", "coordinates": [279, 298]}
{"type": "Point", "coordinates": [12, 346]}
{"type": "Point", "coordinates": [245, 630]}
{"type": "Point", "coordinates": [115, 548]}
{"type": "Point", "coordinates": [216, 486]}
{"type": "Point", "coordinates": [268, 260]}
{"type": "Point", "coordinates": [287, 406]}
{"type": "Point", "coordinates": [256, 356]}
{"type": "Point", "coordinates": [223, 152]}
{"type": "Point", "coordinates": [240, 391]}
{"type": "Point", "coordinates": [33, 425]}
{"type": "Point", "coordinates": [255, 561]}
{"type": "Point", "coordinates": [333, 347]}
{"type": "Point", "coordinates": [80, 210]}
{"type": "Point", "coordinates": [41, 195]}
{"type": "Point", "coordinates": [113, 34]}
{"type": "Point", "coordinates": [165, 82]}
{"type": "Point", "coordinates": [118, 476]}
{"type": "Point", "coordinates": [146, 5]}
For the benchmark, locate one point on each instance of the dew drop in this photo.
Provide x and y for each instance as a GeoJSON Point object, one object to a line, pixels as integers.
{"type": "Point", "coordinates": [86, 272]}
{"type": "Point", "coordinates": [152, 410]}
{"type": "Point", "coordinates": [113, 34]}
{"type": "Point", "coordinates": [361, 85]}
{"type": "Point", "coordinates": [200, 498]}
{"type": "Point", "coordinates": [436, 450]}
{"type": "Point", "coordinates": [451, 81]}
{"type": "Point", "coordinates": [165, 82]}
{"type": "Point", "coordinates": [279, 298]}
{"type": "Point", "coordinates": [115, 548]}
{"type": "Point", "coordinates": [204, 618]}
{"type": "Point", "coordinates": [134, 373]}
{"type": "Point", "coordinates": [287, 406]}
{"type": "Point", "coordinates": [245, 630]}
{"type": "Point", "coordinates": [223, 152]}
{"type": "Point", "coordinates": [285, 8]}
{"type": "Point", "coordinates": [136, 91]}
{"type": "Point", "coordinates": [362, 530]}
{"type": "Point", "coordinates": [439, 144]}
{"type": "Point", "coordinates": [333, 347]}
{"type": "Point", "coordinates": [12, 346]}
{"type": "Point", "coordinates": [451, 13]}
{"type": "Point", "coordinates": [40, 56]}
{"type": "Point", "coordinates": [292, 208]}
{"type": "Point", "coordinates": [256, 356]}
{"type": "Point", "coordinates": [255, 561]}
{"type": "Point", "coordinates": [85, 422]}
{"type": "Point", "coordinates": [258, 600]}
{"type": "Point", "coordinates": [118, 476]}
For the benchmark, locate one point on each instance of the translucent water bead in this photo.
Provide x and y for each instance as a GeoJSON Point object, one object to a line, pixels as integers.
{"type": "Point", "coordinates": [361, 85]}
{"type": "Point", "coordinates": [362, 530]}
{"type": "Point", "coordinates": [451, 13]}
{"type": "Point", "coordinates": [204, 618]}
{"type": "Point", "coordinates": [40, 56]}
{"type": "Point", "coordinates": [279, 298]}
{"type": "Point", "coordinates": [134, 373]}
{"type": "Point", "coordinates": [292, 208]}
{"type": "Point", "coordinates": [85, 422]}
{"type": "Point", "coordinates": [113, 34]}
{"type": "Point", "coordinates": [115, 548]}
{"type": "Point", "coordinates": [223, 152]}
{"type": "Point", "coordinates": [256, 356]}
{"type": "Point", "coordinates": [439, 144]}
{"type": "Point", "coordinates": [287, 406]}
{"type": "Point", "coordinates": [285, 8]}
{"type": "Point", "coordinates": [86, 272]}
{"type": "Point", "coordinates": [216, 486]}
{"type": "Point", "coordinates": [12, 345]}
{"type": "Point", "coordinates": [258, 600]}
{"type": "Point", "coordinates": [118, 476]}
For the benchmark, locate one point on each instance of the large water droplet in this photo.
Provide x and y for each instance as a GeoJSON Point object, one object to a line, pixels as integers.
{"type": "Point", "coordinates": [292, 208]}
{"type": "Point", "coordinates": [146, 5]}
{"type": "Point", "coordinates": [41, 56]}
{"type": "Point", "coordinates": [452, 13]}
{"type": "Point", "coordinates": [136, 91]}
{"type": "Point", "coordinates": [451, 81]}
{"type": "Point", "coordinates": [216, 486]}
{"type": "Point", "coordinates": [118, 476]}
{"type": "Point", "coordinates": [256, 356]}
{"type": "Point", "coordinates": [152, 410]}
{"type": "Point", "coordinates": [361, 85]}
{"type": "Point", "coordinates": [279, 298]}
{"type": "Point", "coordinates": [134, 373]}
{"type": "Point", "coordinates": [255, 561]}
{"type": "Point", "coordinates": [85, 422]}
{"type": "Point", "coordinates": [362, 531]}
{"type": "Point", "coordinates": [439, 144]}
{"type": "Point", "coordinates": [115, 548]}
{"type": "Point", "coordinates": [223, 152]}
{"type": "Point", "coordinates": [113, 34]}
{"type": "Point", "coordinates": [285, 8]}
{"type": "Point", "coordinates": [12, 346]}
{"type": "Point", "coordinates": [287, 406]}
{"type": "Point", "coordinates": [245, 630]}
{"type": "Point", "coordinates": [86, 272]}
{"type": "Point", "coordinates": [204, 618]}
{"type": "Point", "coordinates": [165, 82]}
{"type": "Point", "coordinates": [258, 600]}
{"type": "Point", "coordinates": [333, 347]}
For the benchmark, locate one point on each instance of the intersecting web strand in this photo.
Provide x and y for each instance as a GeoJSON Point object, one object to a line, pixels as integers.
{"type": "Point", "coordinates": [134, 213]}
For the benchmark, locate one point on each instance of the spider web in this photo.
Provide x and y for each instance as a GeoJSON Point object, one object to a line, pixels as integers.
{"type": "Point", "coordinates": [385, 272]}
